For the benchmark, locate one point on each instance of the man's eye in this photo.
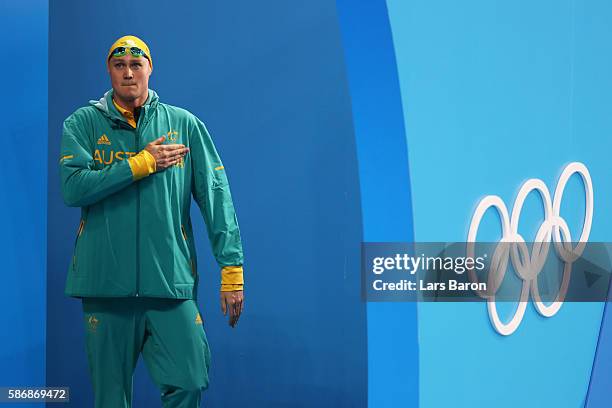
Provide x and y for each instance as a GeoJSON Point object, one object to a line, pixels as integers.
{"type": "Point", "coordinates": [119, 65]}
{"type": "Point", "coordinates": [136, 66]}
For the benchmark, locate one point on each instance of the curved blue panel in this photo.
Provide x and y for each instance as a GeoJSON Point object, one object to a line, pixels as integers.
{"type": "Point", "coordinates": [598, 395]}
{"type": "Point", "coordinates": [24, 196]}
{"type": "Point", "coordinates": [385, 191]}
{"type": "Point", "coordinates": [268, 81]}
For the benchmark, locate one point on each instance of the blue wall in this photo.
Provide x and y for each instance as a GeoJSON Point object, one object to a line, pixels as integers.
{"type": "Point", "coordinates": [268, 80]}
{"type": "Point", "coordinates": [24, 194]}
{"type": "Point", "coordinates": [495, 93]}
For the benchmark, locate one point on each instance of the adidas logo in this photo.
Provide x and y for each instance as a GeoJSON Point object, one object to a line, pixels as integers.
{"type": "Point", "coordinates": [198, 319]}
{"type": "Point", "coordinates": [104, 140]}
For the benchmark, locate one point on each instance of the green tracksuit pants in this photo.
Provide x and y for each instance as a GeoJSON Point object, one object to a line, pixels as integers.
{"type": "Point", "coordinates": [168, 332]}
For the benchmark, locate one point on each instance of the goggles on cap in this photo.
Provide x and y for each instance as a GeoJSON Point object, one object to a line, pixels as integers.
{"type": "Point", "coordinates": [134, 51]}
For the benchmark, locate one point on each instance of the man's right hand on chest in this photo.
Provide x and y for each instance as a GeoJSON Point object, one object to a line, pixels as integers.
{"type": "Point", "coordinates": [155, 157]}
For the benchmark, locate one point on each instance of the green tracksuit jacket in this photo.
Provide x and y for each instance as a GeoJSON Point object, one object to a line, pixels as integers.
{"type": "Point", "coordinates": [135, 237]}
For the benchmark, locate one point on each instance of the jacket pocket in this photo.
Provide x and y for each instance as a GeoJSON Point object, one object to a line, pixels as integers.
{"type": "Point", "coordinates": [76, 241]}
{"type": "Point", "coordinates": [191, 263]}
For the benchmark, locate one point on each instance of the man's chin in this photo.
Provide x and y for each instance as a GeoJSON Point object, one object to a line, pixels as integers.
{"type": "Point", "coordinates": [128, 96]}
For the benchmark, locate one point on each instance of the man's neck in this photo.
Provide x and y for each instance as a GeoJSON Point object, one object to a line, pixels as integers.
{"type": "Point", "coordinates": [133, 104]}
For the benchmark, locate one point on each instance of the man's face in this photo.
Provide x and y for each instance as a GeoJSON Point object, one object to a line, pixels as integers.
{"type": "Point", "coordinates": [129, 76]}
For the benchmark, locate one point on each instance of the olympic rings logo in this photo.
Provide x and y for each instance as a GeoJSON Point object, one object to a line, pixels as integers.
{"type": "Point", "coordinates": [528, 266]}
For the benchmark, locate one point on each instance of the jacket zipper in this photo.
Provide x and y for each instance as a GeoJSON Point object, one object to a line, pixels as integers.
{"type": "Point", "coordinates": [137, 221]}
{"type": "Point", "coordinates": [142, 122]}
{"type": "Point", "coordinates": [137, 139]}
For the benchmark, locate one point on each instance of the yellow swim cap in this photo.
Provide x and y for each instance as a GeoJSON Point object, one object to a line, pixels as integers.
{"type": "Point", "coordinates": [129, 41]}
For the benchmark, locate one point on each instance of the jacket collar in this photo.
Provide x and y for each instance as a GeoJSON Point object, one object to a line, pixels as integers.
{"type": "Point", "coordinates": [108, 109]}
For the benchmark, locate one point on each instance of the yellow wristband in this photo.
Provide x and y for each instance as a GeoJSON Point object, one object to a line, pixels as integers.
{"type": "Point", "coordinates": [142, 164]}
{"type": "Point", "coordinates": [231, 288]}
{"type": "Point", "coordinates": [232, 278]}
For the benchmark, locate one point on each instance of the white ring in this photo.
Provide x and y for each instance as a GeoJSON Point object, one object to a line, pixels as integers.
{"type": "Point", "coordinates": [553, 308]}
{"type": "Point", "coordinates": [568, 171]}
{"type": "Point", "coordinates": [528, 270]}
{"type": "Point", "coordinates": [481, 209]}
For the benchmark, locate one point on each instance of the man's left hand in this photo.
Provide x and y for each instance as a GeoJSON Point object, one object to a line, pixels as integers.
{"type": "Point", "coordinates": [234, 303]}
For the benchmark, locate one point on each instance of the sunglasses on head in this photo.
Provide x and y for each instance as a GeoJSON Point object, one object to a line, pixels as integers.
{"type": "Point", "coordinates": [134, 51]}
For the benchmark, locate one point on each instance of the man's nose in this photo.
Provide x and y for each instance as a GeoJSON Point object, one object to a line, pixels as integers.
{"type": "Point", "coordinates": [127, 74]}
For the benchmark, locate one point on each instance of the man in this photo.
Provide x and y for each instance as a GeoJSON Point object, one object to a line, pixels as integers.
{"type": "Point", "coordinates": [132, 163]}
